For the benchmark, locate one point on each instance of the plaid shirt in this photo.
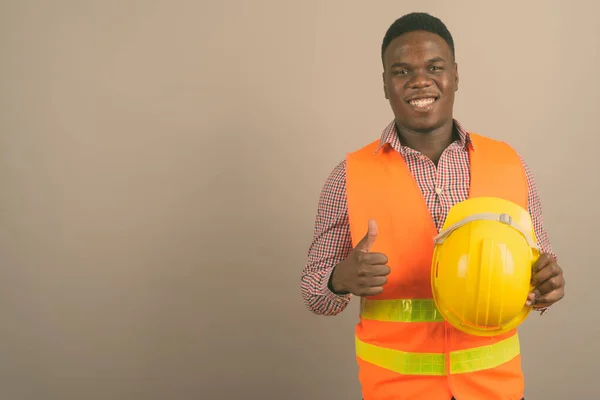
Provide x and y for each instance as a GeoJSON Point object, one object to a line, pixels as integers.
{"type": "Point", "coordinates": [442, 187]}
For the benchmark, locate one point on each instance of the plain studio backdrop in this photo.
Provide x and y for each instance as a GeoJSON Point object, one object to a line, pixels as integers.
{"type": "Point", "coordinates": [160, 167]}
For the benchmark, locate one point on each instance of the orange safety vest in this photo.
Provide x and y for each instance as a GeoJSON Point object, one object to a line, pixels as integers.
{"type": "Point", "coordinates": [404, 348]}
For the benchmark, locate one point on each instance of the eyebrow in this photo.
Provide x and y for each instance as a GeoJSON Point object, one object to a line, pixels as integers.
{"type": "Point", "coordinates": [431, 60]}
{"type": "Point", "coordinates": [437, 59]}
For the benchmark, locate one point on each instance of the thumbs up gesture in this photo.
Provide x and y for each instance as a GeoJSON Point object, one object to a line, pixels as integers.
{"type": "Point", "coordinates": [362, 273]}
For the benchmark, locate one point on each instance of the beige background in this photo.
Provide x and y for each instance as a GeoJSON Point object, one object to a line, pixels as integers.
{"type": "Point", "coordinates": [160, 165]}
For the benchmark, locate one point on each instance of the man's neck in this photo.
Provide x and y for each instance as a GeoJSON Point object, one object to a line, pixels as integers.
{"type": "Point", "coordinates": [431, 144]}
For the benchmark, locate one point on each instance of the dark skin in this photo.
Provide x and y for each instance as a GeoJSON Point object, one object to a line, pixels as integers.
{"type": "Point", "coordinates": [420, 67]}
{"type": "Point", "coordinates": [548, 281]}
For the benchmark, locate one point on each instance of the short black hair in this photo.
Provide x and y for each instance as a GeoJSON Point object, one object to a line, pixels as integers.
{"type": "Point", "coordinates": [417, 21]}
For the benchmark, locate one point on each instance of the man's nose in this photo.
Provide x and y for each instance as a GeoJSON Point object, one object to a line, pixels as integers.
{"type": "Point", "coordinates": [419, 80]}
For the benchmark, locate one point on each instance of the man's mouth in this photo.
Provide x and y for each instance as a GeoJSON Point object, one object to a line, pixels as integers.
{"type": "Point", "coordinates": [422, 103]}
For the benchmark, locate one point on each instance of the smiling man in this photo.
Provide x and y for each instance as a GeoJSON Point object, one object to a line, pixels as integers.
{"type": "Point", "coordinates": [371, 238]}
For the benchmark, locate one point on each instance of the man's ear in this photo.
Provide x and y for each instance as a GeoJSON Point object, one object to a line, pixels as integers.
{"type": "Point", "coordinates": [456, 77]}
{"type": "Point", "coordinates": [385, 92]}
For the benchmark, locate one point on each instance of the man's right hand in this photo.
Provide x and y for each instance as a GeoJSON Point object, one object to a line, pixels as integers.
{"type": "Point", "coordinates": [362, 273]}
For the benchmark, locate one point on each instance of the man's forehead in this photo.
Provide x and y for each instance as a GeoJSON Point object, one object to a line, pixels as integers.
{"type": "Point", "coordinates": [415, 44]}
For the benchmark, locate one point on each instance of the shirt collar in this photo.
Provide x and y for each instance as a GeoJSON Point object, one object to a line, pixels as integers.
{"type": "Point", "coordinates": [390, 137]}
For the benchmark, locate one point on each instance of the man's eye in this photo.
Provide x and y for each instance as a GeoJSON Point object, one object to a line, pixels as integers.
{"type": "Point", "coordinates": [400, 72]}
{"type": "Point", "coordinates": [436, 68]}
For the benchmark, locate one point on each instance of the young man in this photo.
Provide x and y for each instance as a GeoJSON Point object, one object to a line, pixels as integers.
{"type": "Point", "coordinates": [406, 181]}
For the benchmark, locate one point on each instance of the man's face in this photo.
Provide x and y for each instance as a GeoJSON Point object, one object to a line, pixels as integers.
{"type": "Point", "coordinates": [420, 78]}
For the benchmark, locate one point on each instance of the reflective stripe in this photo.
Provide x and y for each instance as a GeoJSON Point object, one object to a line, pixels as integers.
{"type": "Point", "coordinates": [461, 361]}
{"type": "Point", "coordinates": [400, 361]}
{"type": "Point", "coordinates": [484, 357]}
{"type": "Point", "coordinates": [401, 310]}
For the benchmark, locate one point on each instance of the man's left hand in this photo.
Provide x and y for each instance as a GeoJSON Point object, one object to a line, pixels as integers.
{"type": "Point", "coordinates": [548, 282]}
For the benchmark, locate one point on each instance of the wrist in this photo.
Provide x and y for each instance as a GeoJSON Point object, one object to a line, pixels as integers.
{"type": "Point", "coordinates": [334, 285]}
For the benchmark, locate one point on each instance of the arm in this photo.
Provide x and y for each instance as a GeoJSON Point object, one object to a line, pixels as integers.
{"type": "Point", "coordinates": [534, 206]}
{"type": "Point", "coordinates": [331, 244]}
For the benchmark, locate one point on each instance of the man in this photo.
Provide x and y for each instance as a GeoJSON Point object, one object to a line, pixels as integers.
{"type": "Point", "coordinates": [424, 157]}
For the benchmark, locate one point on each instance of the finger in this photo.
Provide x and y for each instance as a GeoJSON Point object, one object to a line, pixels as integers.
{"type": "Point", "coordinates": [373, 270]}
{"type": "Point", "coordinates": [548, 272]}
{"type": "Point", "coordinates": [530, 299]}
{"type": "Point", "coordinates": [373, 281]}
{"type": "Point", "coordinates": [370, 291]}
{"type": "Point", "coordinates": [542, 276]}
{"type": "Point", "coordinates": [373, 258]}
{"type": "Point", "coordinates": [532, 296]}
{"type": "Point", "coordinates": [549, 298]}
{"type": "Point", "coordinates": [542, 262]}
{"type": "Point", "coordinates": [367, 241]}
{"type": "Point", "coordinates": [550, 285]}
{"type": "Point", "coordinates": [550, 292]}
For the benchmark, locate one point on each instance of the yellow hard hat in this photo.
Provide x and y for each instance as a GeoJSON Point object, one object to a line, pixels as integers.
{"type": "Point", "coordinates": [482, 265]}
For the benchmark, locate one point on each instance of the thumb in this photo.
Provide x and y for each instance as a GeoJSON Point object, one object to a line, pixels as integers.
{"type": "Point", "coordinates": [367, 241]}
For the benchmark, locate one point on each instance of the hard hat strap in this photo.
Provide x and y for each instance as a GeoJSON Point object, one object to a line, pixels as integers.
{"type": "Point", "coordinates": [503, 218]}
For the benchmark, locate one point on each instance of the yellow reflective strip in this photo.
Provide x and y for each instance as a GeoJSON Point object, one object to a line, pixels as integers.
{"type": "Point", "coordinates": [461, 361]}
{"type": "Point", "coordinates": [484, 357]}
{"type": "Point", "coordinates": [400, 310]}
{"type": "Point", "coordinates": [401, 362]}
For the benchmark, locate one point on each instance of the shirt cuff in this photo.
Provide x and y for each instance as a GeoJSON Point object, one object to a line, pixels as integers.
{"type": "Point", "coordinates": [542, 310]}
{"type": "Point", "coordinates": [329, 294]}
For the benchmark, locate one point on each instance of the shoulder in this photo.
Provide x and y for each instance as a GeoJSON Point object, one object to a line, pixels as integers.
{"type": "Point", "coordinates": [529, 175]}
{"type": "Point", "coordinates": [496, 146]}
{"type": "Point", "coordinates": [477, 139]}
{"type": "Point", "coordinates": [336, 180]}
{"type": "Point", "coordinates": [337, 176]}
{"type": "Point", "coordinates": [333, 190]}
{"type": "Point", "coordinates": [498, 142]}
{"type": "Point", "coordinates": [480, 140]}
{"type": "Point", "coordinates": [338, 173]}
{"type": "Point", "coordinates": [364, 153]}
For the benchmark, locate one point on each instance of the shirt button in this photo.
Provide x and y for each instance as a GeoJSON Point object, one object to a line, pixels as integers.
{"type": "Point", "coordinates": [422, 157]}
{"type": "Point", "coordinates": [439, 190]}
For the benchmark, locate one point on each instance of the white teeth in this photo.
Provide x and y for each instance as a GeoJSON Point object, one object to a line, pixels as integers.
{"type": "Point", "coordinates": [422, 102]}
